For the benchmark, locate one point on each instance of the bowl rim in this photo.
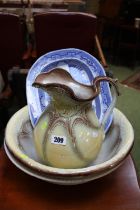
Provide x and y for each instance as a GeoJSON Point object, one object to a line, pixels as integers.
{"type": "Point", "coordinates": [63, 180]}
{"type": "Point", "coordinates": [107, 165]}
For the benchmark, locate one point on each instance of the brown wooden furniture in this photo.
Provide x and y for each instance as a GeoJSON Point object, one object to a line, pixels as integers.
{"type": "Point", "coordinates": [109, 8]}
{"type": "Point", "coordinates": [128, 43]}
{"type": "Point", "coordinates": [38, 3]}
{"type": "Point", "coordinates": [109, 19]}
{"type": "Point", "coordinates": [59, 30]}
{"type": "Point", "coordinates": [11, 42]}
{"type": "Point", "coordinates": [116, 191]}
{"type": "Point", "coordinates": [13, 51]}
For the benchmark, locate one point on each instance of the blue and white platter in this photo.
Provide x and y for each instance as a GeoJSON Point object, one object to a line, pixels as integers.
{"type": "Point", "coordinates": [82, 66]}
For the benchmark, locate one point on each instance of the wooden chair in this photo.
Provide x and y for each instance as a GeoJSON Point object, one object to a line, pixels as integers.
{"type": "Point", "coordinates": [59, 30]}
{"type": "Point", "coordinates": [13, 48]}
{"type": "Point", "coordinates": [13, 52]}
{"type": "Point", "coordinates": [110, 19]}
{"type": "Point", "coordinates": [12, 42]}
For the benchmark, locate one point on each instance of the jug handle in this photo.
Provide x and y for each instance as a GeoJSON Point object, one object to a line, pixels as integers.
{"type": "Point", "coordinates": [115, 93]}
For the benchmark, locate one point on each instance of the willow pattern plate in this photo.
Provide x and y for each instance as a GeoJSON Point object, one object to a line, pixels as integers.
{"type": "Point", "coordinates": [82, 66]}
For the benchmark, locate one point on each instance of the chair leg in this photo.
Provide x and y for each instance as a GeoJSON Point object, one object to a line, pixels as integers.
{"type": "Point", "coordinates": [100, 52]}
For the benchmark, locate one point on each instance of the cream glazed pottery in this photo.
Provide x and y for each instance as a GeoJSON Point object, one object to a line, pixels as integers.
{"type": "Point", "coordinates": [19, 146]}
{"type": "Point", "coordinates": [68, 134]}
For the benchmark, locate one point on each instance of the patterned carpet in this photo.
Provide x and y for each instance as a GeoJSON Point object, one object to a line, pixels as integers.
{"type": "Point", "coordinates": [129, 102]}
{"type": "Point", "coordinates": [133, 81]}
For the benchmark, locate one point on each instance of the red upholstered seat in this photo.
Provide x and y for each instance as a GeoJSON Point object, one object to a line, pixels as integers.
{"type": "Point", "coordinates": [11, 42]}
{"type": "Point", "coordinates": [59, 30]}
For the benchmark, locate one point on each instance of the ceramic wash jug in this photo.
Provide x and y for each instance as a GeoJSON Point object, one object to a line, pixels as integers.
{"type": "Point", "coordinates": [68, 133]}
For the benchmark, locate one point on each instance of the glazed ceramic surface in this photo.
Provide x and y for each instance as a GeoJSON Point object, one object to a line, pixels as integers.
{"type": "Point", "coordinates": [21, 151]}
{"type": "Point", "coordinates": [72, 135]}
{"type": "Point", "coordinates": [82, 66]}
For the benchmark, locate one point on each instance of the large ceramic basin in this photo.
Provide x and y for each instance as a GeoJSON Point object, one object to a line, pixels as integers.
{"type": "Point", "coordinates": [20, 149]}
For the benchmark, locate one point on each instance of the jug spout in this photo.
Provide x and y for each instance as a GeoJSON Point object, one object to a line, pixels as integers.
{"type": "Point", "coordinates": [59, 78]}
